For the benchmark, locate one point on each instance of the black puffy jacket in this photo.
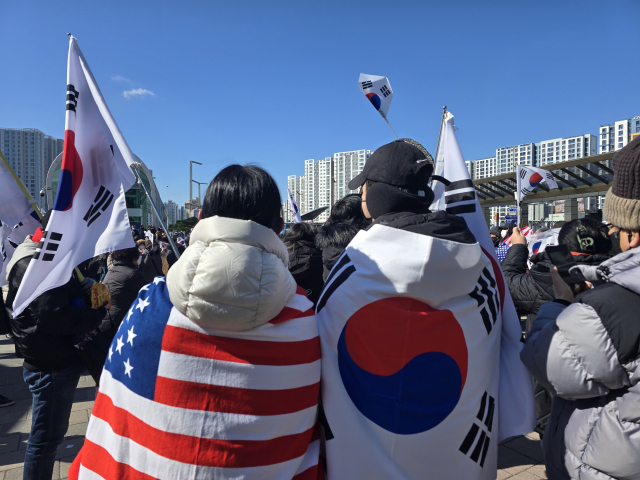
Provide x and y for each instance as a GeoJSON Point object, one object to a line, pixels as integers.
{"type": "Point", "coordinates": [125, 281]}
{"type": "Point", "coordinates": [151, 266]}
{"type": "Point", "coordinates": [43, 333]}
{"type": "Point", "coordinates": [305, 264]}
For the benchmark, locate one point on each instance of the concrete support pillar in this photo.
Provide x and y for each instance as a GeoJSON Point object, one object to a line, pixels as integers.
{"type": "Point", "coordinates": [486, 211]}
{"type": "Point", "coordinates": [570, 209]}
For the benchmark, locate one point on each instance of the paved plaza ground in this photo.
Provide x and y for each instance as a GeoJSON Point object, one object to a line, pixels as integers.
{"type": "Point", "coordinates": [518, 459]}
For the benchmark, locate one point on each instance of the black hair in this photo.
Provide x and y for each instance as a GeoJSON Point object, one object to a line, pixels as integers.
{"type": "Point", "coordinates": [298, 232]}
{"type": "Point", "coordinates": [348, 208]}
{"type": "Point", "coordinates": [584, 236]}
{"type": "Point", "coordinates": [244, 192]}
{"type": "Point", "coordinates": [127, 254]}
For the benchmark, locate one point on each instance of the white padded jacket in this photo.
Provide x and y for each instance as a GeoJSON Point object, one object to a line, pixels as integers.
{"type": "Point", "coordinates": [233, 276]}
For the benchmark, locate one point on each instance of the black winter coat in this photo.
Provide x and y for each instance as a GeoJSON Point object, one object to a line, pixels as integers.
{"type": "Point", "coordinates": [305, 264]}
{"type": "Point", "coordinates": [332, 239]}
{"type": "Point", "coordinates": [43, 333]}
{"type": "Point", "coordinates": [151, 266]}
{"type": "Point", "coordinates": [125, 281]}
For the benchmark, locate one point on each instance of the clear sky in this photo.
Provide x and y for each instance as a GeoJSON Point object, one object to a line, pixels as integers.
{"type": "Point", "coordinates": [275, 82]}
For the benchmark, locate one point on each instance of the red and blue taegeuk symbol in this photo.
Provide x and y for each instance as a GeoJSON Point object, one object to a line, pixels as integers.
{"type": "Point", "coordinates": [536, 247]}
{"type": "Point", "coordinates": [70, 173]}
{"type": "Point", "coordinates": [403, 363]}
{"type": "Point", "coordinates": [535, 179]}
{"type": "Point", "coordinates": [375, 100]}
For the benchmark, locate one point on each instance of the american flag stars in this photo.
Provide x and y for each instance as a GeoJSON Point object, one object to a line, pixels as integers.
{"type": "Point", "coordinates": [131, 336]}
{"type": "Point", "coordinates": [142, 303]}
{"type": "Point", "coordinates": [127, 368]}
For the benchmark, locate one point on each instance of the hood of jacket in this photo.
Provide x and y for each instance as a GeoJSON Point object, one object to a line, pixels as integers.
{"type": "Point", "coordinates": [623, 269]}
{"type": "Point", "coordinates": [25, 249]}
{"type": "Point", "coordinates": [233, 276]}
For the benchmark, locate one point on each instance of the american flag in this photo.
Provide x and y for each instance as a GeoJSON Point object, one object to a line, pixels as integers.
{"type": "Point", "coordinates": [181, 401]}
{"type": "Point", "coordinates": [526, 231]}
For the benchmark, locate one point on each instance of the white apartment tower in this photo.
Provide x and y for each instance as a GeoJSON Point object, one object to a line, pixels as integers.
{"type": "Point", "coordinates": [614, 137]}
{"type": "Point", "coordinates": [173, 212]}
{"type": "Point", "coordinates": [348, 165]}
{"type": "Point", "coordinates": [568, 148]}
{"type": "Point", "coordinates": [483, 168]}
{"type": "Point", "coordinates": [508, 157]}
{"type": "Point", "coordinates": [30, 153]}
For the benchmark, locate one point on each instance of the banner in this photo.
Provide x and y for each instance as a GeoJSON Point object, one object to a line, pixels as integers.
{"type": "Point", "coordinates": [516, 410]}
{"type": "Point", "coordinates": [89, 215]}
{"type": "Point", "coordinates": [528, 179]}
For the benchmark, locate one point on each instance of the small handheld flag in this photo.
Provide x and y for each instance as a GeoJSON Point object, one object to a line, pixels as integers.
{"type": "Point", "coordinates": [529, 178]}
{"type": "Point", "coordinates": [293, 206]}
{"type": "Point", "coordinates": [378, 90]}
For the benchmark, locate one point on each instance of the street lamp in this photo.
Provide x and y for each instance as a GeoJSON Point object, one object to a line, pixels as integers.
{"type": "Point", "coordinates": [191, 162]}
{"type": "Point", "coordinates": [199, 197]}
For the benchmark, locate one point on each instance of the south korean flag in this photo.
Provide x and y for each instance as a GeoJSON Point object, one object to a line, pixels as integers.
{"type": "Point", "coordinates": [378, 90]}
{"type": "Point", "coordinates": [89, 215]}
{"type": "Point", "coordinates": [528, 179]}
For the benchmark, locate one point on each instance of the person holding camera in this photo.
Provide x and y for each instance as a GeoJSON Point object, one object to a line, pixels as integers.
{"type": "Point", "coordinates": [585, 349]}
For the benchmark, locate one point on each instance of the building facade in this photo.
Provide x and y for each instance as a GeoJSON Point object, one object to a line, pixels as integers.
{"type": "Point", "coordinates": [567, 148]}
{"type": "Point", "coordinates": [30, 153]}
{"type": "Point", "coordinates": [508, 157]}
{"type": "Point", "coordinates": [173, 212]}
{"type": "Point", "coordinates": [614, 137]}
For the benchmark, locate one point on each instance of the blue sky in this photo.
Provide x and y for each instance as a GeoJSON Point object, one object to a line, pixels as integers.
{"type": "Point", "coordinates": [275, 83]}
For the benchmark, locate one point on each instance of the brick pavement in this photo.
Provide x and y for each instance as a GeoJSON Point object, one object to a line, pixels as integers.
{"type": "Point", "coordinates": [518, 459]}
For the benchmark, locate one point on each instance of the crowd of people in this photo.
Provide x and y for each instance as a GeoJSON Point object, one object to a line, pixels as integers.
{"type": "Point", "coordinates": [239, 271]}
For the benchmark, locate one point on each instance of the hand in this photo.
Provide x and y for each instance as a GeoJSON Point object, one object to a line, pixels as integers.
{"type": "Point", "coordinates": [517, 237]}
{"type": "Point", "coordinates": [560, 289]}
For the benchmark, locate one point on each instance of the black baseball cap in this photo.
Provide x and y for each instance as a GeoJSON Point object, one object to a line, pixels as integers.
{"type": "Point", "coordinates": [397, 163]}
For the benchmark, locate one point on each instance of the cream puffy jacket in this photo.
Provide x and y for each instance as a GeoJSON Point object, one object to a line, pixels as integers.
{"type": "Point", "coordinates": [233, 276]}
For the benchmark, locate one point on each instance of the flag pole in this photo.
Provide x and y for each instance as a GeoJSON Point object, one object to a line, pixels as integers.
{"type": "Point", "coordinates": [30, 199]}
{"type": "Point", "coordinates": [155, 209]}
{"type": "Point", "coordinates": [394, 132]}
{"type": "Point", "coordinates": [444, 112]}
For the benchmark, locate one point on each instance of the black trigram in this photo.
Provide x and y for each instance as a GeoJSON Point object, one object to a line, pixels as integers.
{"type": "Point", "coordinates": [525, 191]}
{"type": "Point", "coordinates": [367, 84]}
{"type": "Point", "coordinates": [72, 97]}
{"type": "Point", "coordinates": [329, 286]}
{"type": "Point", "coordinates": [482, 447]}
{"type": "Point", "coordinates": [385, 91]}
{"type": "Point", "coordinates": [49, 243]}
{"type": "Point", "coordinates": [523, 173]}
{"type": "Point", "coordinates": [487, 296]}
{"type": "Point", "coordinates": [101, 202]}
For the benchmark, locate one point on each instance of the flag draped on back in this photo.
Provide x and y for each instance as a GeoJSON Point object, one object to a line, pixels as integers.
{"type": "Point", "coordinates": [89, 214]}
{"type": "Point", "coordinates": [528, 179]}
{"type": "Point", "coordinates": [293, 206]}
{"type": "Point", "coordinates": [177, 400]}
{"type": "Point", "coordinates": [516, 411]}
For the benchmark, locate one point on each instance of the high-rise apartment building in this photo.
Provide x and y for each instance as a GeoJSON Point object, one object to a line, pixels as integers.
{"type": "Point", "coordinates": [483, 168]}
{"type": "Point", "coordinates": [614, 137]}
{"type": "Point", "coordinates": [30, 153]}
{"type": "Point", "coordinates": [173, 212]}
{"type": "Point", "coordinates": [508, 157]}
{"type": "Point", "coordinates": [324, 182]}
{"type": "Point", "coordinates": [567, 148]}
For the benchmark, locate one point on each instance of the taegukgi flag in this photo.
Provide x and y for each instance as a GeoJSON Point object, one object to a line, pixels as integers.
{"type": "Point", "coordinates": [378, 90]}
{"type": "Point", "coordinates": [529, 177]}
{"type": "Point", "coordinates": [293, 206]}
{"type": "Point", "coordinates": [89, 214]}
{"type": "Point", "coordinates": [515, 403]}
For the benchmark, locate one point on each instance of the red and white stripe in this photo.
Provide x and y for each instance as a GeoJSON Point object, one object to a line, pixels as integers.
{"type": "Point", "coordinates": [526, 231]}
{"type": "Point", "coordinates": [227, 405]}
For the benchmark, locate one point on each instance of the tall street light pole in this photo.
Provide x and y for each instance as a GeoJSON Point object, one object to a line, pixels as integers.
{"type": "Point", "coordinates": [199, 197]}
{"type": "Point", "coordinates": [191, 162]}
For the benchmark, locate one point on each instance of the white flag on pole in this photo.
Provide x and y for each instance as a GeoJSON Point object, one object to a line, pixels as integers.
{"type": "Point", "coordinates": [516, 410]}
{"type": "Point", "coordinates": [89, 215]}
{"type": "Point", "coordinates": [12, 236]}
{"type": "Point", "coordinates": [529, 178]}
{"type": "Point", "coordinates": [293, 206]}
{"type": "Point", "coordinates": [378, 91]}
{"type": "Point", "coordinates": [15, 202]}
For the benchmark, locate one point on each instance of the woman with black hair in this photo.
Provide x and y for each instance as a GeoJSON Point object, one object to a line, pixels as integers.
{"type": "Point", "coordinates": [305, 260]}
{"type": "Point", "coordinates": [345, 221]}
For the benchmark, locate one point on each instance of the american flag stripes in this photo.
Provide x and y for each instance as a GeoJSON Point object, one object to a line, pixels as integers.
{"type": "Point", "coordinates": [526, 231]}
{"type": "Point", "coordinates": [178, 400]}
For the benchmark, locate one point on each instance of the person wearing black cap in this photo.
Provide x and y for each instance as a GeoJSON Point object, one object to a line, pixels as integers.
{"type": "Point", "coordinates": [395, 193]}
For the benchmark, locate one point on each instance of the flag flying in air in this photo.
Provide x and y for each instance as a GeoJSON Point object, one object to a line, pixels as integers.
{"type": "Point", "coordinates": [516, 412]}
{"type": "Point", "coordinates": [15, 201]}
{"type": "Point", "coordinates": [89, 214]}
{"type": "Point", "coordinates": [293, 206]}
{"type": "Point", "coordinates": [378, 91]}
{"type": "Point", "coordinates": [529, 178]}
{"type": "Point", "coordinates": [177, 400]}
{"type": "Point", "coordinates": [14, 235]}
